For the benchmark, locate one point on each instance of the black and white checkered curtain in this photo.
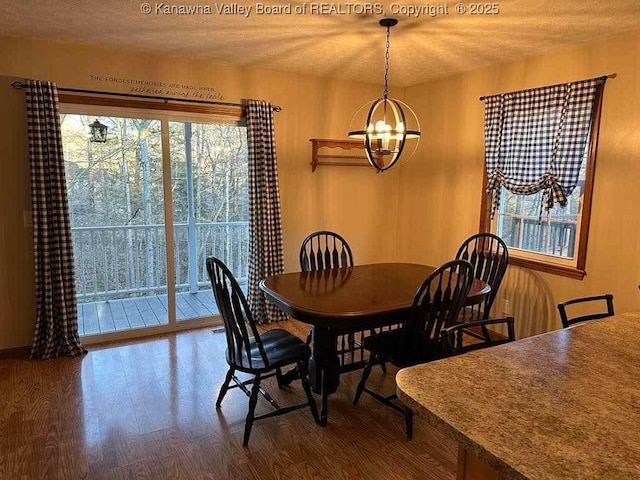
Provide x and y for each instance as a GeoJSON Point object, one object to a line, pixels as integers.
{"type": "Point", "coordinates": [536, 139]}
{"type": "Point", "coordinates": [265, 224]}
{"type": "Point", "coordinates": [56, 329]}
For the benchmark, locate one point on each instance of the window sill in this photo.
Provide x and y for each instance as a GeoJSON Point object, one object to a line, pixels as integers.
{"type": "Point", "coordinates": [562, 270]}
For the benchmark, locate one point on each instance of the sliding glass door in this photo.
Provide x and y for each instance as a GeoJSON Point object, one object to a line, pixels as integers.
{"type": "Point", "coordinates": [210, 209]}
{"type": "Point", "coordinates": [116, 203]}
{"type": "Point", "coordinates": [150, 204]}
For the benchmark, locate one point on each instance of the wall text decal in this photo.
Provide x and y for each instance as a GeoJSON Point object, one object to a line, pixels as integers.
{"type": "Point", "coordinates": [161, 89]}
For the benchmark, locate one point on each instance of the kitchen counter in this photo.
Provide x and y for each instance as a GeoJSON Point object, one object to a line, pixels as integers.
{"type": "Point", "coordinates": [562, 405]}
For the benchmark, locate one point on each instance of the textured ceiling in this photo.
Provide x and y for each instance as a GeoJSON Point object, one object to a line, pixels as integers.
{"type": "Point", "coordinates": [335, 44]}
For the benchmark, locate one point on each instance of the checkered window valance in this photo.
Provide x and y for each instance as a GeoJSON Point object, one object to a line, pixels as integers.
{"type": "Point", "coordinates": [536, 139]}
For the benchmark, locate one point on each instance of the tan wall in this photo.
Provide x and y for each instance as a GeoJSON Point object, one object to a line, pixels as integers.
{"type": "Point", "coordinates": [17, 308]}
{"type": "Point", "coordinates": [419, 212]}
{"type": "Point", "coordinates": [354, 201]}
{"type": "Point", "coordinates": [439, 194]}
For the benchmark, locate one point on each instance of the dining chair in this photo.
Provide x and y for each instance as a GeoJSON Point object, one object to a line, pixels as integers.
{"type": "Point", "coordinates": [489, 256]}
{"type": "Point", "coordinates": [323, 250]}
{"type": "Point", "coordinates": [454, 336]}
{"type": "Point", "coordinates": [248, 351]}
{"type": "Point", "coordinates": [436, 305]}
{"type": "Point", "coordinates": [585, 301]}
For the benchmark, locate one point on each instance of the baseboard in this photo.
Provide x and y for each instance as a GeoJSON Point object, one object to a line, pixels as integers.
{"type": "Point", "coordinates": [15, 353]}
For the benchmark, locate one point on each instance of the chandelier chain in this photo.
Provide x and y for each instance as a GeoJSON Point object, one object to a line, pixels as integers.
{"type": "Point", "coordinates": [385, 93]}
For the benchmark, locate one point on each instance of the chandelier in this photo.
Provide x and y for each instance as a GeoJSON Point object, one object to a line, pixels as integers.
{"type": "Point", "coordinates": [389, 122]}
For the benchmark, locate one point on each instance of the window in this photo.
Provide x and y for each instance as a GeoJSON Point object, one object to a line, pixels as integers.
{"type": "Point", "coordinates": [553, 240]}
{"type": "Point", "coordinates": [541, 243]}
{"type": "Point", "coordinates": [518, 224]}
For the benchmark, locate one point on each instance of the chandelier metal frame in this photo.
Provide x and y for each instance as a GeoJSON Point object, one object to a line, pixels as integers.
{"type": "Point", "coordinates": [382, 141]}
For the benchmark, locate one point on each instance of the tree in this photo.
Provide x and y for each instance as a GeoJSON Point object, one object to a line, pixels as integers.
{"type": "Point", "coordinates": [119, 184]}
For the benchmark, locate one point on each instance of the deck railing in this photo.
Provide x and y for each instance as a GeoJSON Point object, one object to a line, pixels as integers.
{"type": "Point", "coordinates": [556, 236]}
{"type": "Point", "coordinates": [129, 260]}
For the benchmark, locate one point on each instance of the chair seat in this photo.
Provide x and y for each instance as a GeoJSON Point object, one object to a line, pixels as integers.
{"type": "Point", "coordinates": [281, 348]}
{"type": "Point", "coordinates": [389, 344]}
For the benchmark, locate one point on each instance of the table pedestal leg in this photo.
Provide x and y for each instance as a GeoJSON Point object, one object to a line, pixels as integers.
{"type": "Point", "coordinates": [324, 367]}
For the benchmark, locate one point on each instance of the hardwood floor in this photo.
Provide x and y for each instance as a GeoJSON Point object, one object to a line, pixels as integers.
{"type": "Point", "coordinates": [118, 315]}
{"type": "Point", "coordinates": [145, 409]}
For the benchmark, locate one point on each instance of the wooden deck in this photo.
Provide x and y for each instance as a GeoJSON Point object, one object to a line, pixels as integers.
{"type": "Point", "coordinates": [117, 315]}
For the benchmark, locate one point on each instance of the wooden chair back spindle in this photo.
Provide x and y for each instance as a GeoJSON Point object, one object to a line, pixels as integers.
{"type": "Point", "coordinates": [323, 250]}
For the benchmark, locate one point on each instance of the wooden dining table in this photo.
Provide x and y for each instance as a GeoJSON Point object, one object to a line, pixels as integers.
{"type": "Point", "coordinates": [342, 301]}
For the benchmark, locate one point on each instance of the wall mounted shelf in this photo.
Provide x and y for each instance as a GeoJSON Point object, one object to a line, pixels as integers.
{"type": "Point", "coordinates": [321, 154]}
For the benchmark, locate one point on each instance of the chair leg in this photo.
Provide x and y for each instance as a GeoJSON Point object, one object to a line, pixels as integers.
{"type": "Point", "coordinates": [408, 421]}
{"type": "Point", "coordinates": [383, 366]}
{"type": "Point", "coordinates": [309, 337]}
{"type": "Point", "coordinates": [279, 377]}
{"type": "Point", "coordinates": [304, 379]}
{"type": "Point", "coordinates": [365, 374]}
{"type": "Point", "coordinates": [252, 406]}
{"type": "Point", "coordinates": [485, 332]}
{"type": "Point", "coordinates": [225, 387]}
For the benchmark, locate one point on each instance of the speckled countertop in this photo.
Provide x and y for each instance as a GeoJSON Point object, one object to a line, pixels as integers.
{"type": "Point", "coordinates": [562, 405]}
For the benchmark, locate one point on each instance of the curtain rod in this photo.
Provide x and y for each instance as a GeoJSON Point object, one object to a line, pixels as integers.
{"type": "Point", "coordinates": [603, 77]}
{"type": "Point", "coordinates": [20, 85]}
